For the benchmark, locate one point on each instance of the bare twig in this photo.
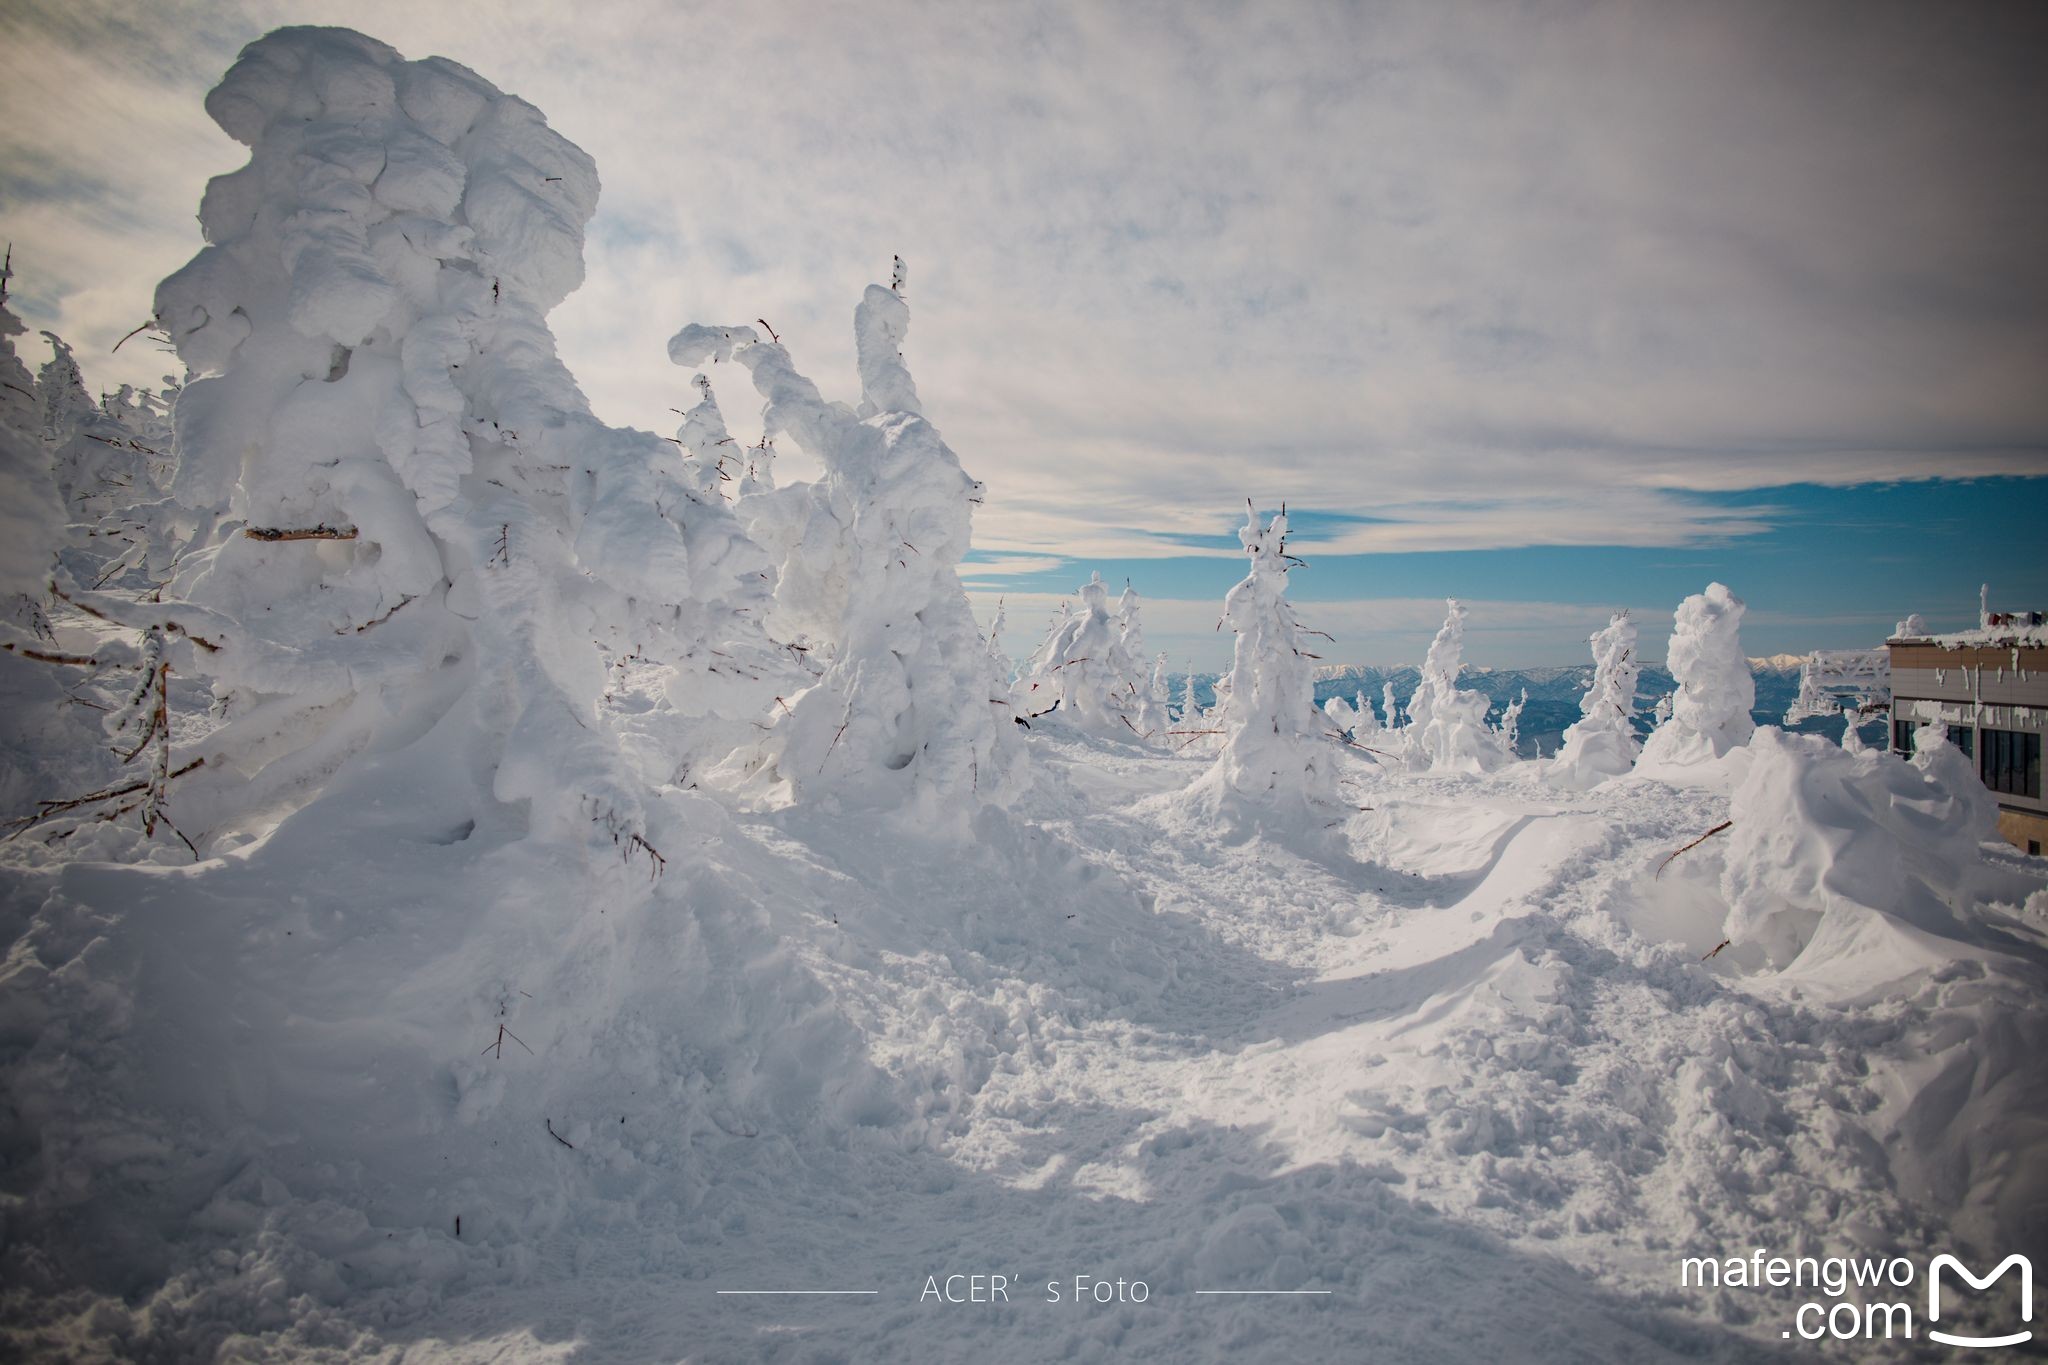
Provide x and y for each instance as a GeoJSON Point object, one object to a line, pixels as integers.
{"type": "Point", "coordinates": [1694, 844]}
{"type": "Point", "coordinates": [47, 657]}
{"type": "Point", "coordinates": [498, 1045]}
{"type": "Point", "coordinates": [656, 863]}
{"type": "Point", "coordinates": [1717, 950]}
{"type": "Point", "coordinates": [379, 620]}
{"type": "Point", "coordinates": [55, 808]}
{"type": "Point", "coordinates": [558, 1137]}
{"type": "Point", "coordinates": [323, 531]}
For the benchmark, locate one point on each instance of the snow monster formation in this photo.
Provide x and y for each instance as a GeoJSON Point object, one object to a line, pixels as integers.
{"type": "Point", "coordinates": [900, 720]}
{"type": "Point", "coordinates": [424, 523]}
{"type": "Point", "coordinates": [1277, 765]}
{"type": "Point", "coordinates": [1447, 730]}
{"type": "Point", "coordinates": [1602, 742]}
{"type": "Point", "coordinates": [1710, 712]}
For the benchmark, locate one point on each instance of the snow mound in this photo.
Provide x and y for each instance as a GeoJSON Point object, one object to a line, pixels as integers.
{"type": "Point", "coordinates": [1856, 868]}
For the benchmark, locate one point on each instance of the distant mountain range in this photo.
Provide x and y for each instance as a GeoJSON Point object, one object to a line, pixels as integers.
{"type": "Point", "coordinates": [1554, 694]}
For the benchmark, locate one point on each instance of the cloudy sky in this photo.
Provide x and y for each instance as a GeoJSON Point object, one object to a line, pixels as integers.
{"type": "Point", "coordinates": [1559, 307]}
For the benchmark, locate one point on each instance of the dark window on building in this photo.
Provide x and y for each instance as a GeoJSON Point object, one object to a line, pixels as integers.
{"type": "Point", "coordinates": [2011, 762]}
{"type": "Point", "coordinates": [1966, 740]}
{"type": "Point", "coordinates": [1902, 736]}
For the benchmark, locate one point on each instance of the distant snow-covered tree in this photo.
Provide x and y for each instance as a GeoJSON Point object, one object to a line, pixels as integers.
{"type": "Point", "coordinates": [1153, 719]}
{"type": "Point", "coordinates": [1083, 670]}
{"type": "Point", "coordinates": [1710, 713]}
{"type": "Point", "coordinates": [1276, 761]}
{"type": "Point", "coordinates": [1602, 742]}
{"type": "Point", "coordinates": [1365, 726]}
{"type": "Point", "coordinates": [1447, 730]}
{"type": "Point", "coordinates": [1509, 730]}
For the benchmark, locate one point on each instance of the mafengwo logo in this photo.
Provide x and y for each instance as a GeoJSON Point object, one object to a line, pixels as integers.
{"type": "Point", "coordinates": [1854, 1305]}
{"type": "Point", "coordinates": [1947, 1262]}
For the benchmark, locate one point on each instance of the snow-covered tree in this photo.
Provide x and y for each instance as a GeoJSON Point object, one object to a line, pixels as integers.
{"type": "Point", "coordinates": [999, 664]}
{"type": "Point", "coordinates": [709, 446]}
{"type": "Point", "coordinates": [406, 506]}
{"type": "Point", "coordinates": [1710, 713]}
{"type": "Point", "coordinates": [1602, 742]}
{"type": "Point", "coordinates": [1153, 719]}
{"type": "Point", "coordinates": [97, 464]}
{"type": "Point", "coordinates": [900, 718]}
{"type": "Point", "coordinates": [1144, 685]}
{"type": "Point", "coordinates": [1276, 760]}
{"type": "Point", "coordinates": [1342, 716]}
{"type": "Point", "coordinates": [146, 416]}
{"type": "Point", "coordinates": [1509, 731]}
{"type": "Point", "coordinates": [1447, 730]}
{"type": "Point", "coordinates": [31, 513]}
{"type": "Point", "coordinates": [1365, 726]}
{"type": "Point", "coordinates": [1082, 670]}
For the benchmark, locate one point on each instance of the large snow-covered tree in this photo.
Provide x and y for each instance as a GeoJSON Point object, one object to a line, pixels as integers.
{"type": "Point", "coordinates": [900, 719]}
{"type": "Point", "coordinates": [1602, 742]}
{"type": "Point", "coordinates": [1276, 762]}
{"type": "Point", "coordinates": [1710, 712]}
{"type": "Point", "coordinates": [406, 513]}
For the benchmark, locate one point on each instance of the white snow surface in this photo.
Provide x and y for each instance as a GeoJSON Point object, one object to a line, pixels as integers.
{"type": "Point", "coordinates": [1479, 1048]}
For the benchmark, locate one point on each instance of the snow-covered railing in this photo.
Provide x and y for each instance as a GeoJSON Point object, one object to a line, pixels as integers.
{"type": "Point", "coordinates": [1832, 681]}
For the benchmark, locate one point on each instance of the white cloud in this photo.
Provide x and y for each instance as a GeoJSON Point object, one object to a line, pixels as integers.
{"type": "Point", "coordinates": [1489, 276]}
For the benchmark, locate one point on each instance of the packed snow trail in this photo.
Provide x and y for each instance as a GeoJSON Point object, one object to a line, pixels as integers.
{"type": "Point", "coordinates": [1440, 1078]}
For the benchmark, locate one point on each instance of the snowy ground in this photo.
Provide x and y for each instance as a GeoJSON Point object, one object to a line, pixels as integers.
{"type": "Point", "coordinates": [1463, 1069]}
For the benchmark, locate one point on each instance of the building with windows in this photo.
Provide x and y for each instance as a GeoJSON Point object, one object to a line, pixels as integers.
{"type": "Point", "coordinates": [1989, 687]}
